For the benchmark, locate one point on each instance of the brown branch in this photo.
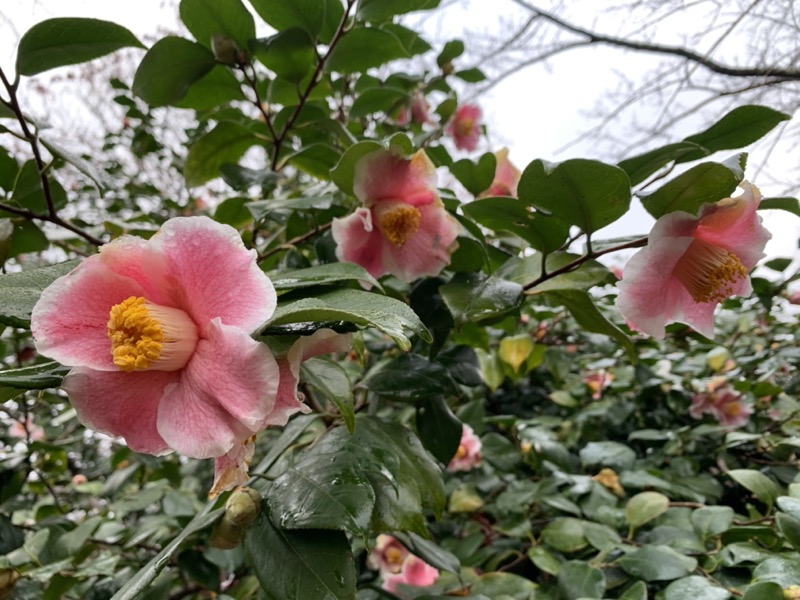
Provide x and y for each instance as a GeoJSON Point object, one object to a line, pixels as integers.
{"type": "Point", "coordinates": [700, 59]}
{"type": "Point", "coordinates": [55, 219]}
{"type": "Point", "coordinates": [289, 244]}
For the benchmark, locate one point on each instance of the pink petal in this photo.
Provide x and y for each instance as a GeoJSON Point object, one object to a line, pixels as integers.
{"type": "Point", "coordinates": [359, 242]}
{"type": "Point", "coordinates": [464, 127]}
{"type": "Point", "coordinates": [69, 322]}
{"type": "Point", "coordinates": [121, 404]}
{"type": "Point", "coordinates": [232, 469]}
{"type": "Point", "coordinates": [415, 572]}
{"type": "Point", "coordinates": [211, 274]}
{"type": "Point", "coordinates": [382, 175]}
{"type": "Point", "coordinates": [225, 392]}
{"type": "Point", "coordinates": [428, 250]}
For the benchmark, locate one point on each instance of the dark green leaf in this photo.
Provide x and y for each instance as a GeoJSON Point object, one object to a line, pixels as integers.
{"type": "Point", "coordinates": [28, 192]}
{"type": "Point", "coordinates": [608, 454]}
{"type": "Point", "coordinates": [69, 41]}
{"type": "Point", "coordinates": [543, 232]}
{"type": "Point", "coordinates": [788, 525]}
{"type": "Point", "coordinates": [315, 159]}
{"type": "Point", "coordinates": [709, 521]}
{"type": "Point", "coordinates": [224, 144]}
{"type": "Point", "coordinates": [20, 291]}
{"type": "Point", "coordinates": [391, 316]}
{"type": "Point", "coordinates": [323, 275]}
{"type": "Point", "coordinates": [788, 204]}
{"type": "Point", "coordinates": [462, 364]}
{"type": "Point", "coordinates": [342, 174]}
{"type": "Point", "coordinates": [169, 68]}
{"type": "Point", "coordinates": [363, 48]}
{"type": "Point", "coordinates": [474, 75]}
{"type": "Point", "coordinates": [657, 563]}
{"type": "Point", "coordinates": [767, 590]}
{"type": "Point", "coordinates": [242, 178]}
{"type": "Point", "coordinates": [761, 486]}
{"type": "Point", "coordinates": [696, 588]}
{"type": "Point", "coordinates": [452, 50]}
{"type": "Point", "coordinates": [218, 87]}
{"type": "Point", "coordinates": [8, 170]}
{"type": "Point", "coordinates": [410, 39]}
{"type": "Point", "coordinates": [476, 177]}
{"type": "Point", "coordinates": [473, 297]}
{"type": "Point", "coordinates": [586, 193]}
{"type": "Point", "coordinates": [333, 382]}
{"type": "Point", "coordinates": [205, 18]}
{"type": "Point", "coordinates": [383, 10]}
{"type": "Point", "coordinates": [36, 377]}
{"type": "Point", "coordinates": [11, 537]}
{"type": "Point", "coordinates": [638, 591]}
{"type": "Point", "coordinates": [707, 182]}
{"type": "Point", "coordinates": [27, 237]}
{"type": "Point", "coordinates": [318, 17]}
{"type": "Point", "coordinates": [578, 579]}
{"type": "Point", "coordinates": [783, 571]}
{"type": "Point", "coordinates": [740, 127]}
{"type": "Point", "coordinates": [565, 534]}
{"type": "Point", "coordinates": [6, 112]}
{"type": "Point", "coordinates": [642, 166]}
{"type": "Point", "coordinates": [380, 99]}
{"type": "Point", "coordinates": [289, 53]}
{"type": "Point", "coordinates": [300, 564]}
{"type": "Point", "coordinates": [410, 378]}
{"type": "Point", "coordinates": [439, 429]}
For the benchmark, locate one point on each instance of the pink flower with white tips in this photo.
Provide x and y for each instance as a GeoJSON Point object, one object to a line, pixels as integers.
{"type": "Point", "coordinates": [465, 127]}
{"type": "Point", "coordinates": [692, 263]}
{"type": "Point", "coordinates": [403, 227]}
{"type": "Point", "coordinates": [415, 572]}
{"type": "Point", "coordinates": [388, 555]}
{"type": "Point", "coordinates": [724, 404]}
{"type": "Point", "coordinates": [157, 334]}
{"type": "Point", "coordinates": [468, 455]}
{"type": "Point", "coordinates": [506, 177]}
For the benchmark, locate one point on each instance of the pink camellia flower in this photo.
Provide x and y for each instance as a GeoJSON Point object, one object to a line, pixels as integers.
{"type": "Point", "coordinates": [468, 455]}
{"type": "Point", "coordinates": [388, 555]}
{"type": "Point", "coordinates": [26, 431]}
{"type": "Point", "coordinates": [420, 110]}
{"type": "Point", "coordinates": [506, 177]}
{"type": "Point", "coordinates": [414, 571]}
{"type": "Point", "coordinates": [158, 335]}
{"type": "Point", "coordinates": [465, 127]}
{"type": "Point", "coordinates": [794, 298]}
{"type": "Point", "coordinates": [724, 404]}
{"type": "Point", "coordinates": [691, 263]}
{"type": "Point", "coordinates": [403, 227]}
{"type": "Point", "coordinates": [597, 381]}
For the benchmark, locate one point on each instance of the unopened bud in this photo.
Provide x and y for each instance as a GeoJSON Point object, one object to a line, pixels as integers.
{"type": "Point", "coordinates": [448, 68]}
{"type": "Point", "coordinates": [242, 507]}
{"type": "Point", "coordinates": [225, 49]}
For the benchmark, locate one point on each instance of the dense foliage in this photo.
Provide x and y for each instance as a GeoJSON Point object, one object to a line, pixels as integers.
{"type": "Point", "coordinates": [494, 412]}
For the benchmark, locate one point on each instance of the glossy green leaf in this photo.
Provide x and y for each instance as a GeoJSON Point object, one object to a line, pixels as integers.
{"type": "Point", "coordinates": [761, 486]}
{"type": "Point", "coordinates": [19, 292]}
{"type": "Point", "coordinates": [27, 237]}
{"type": "Point", "coordinates": [578, 579]}
{"type": "Point", "coordinates": [29, 193]}
{"type": "Point", "coordinates": [608, 454]}
{"type": "Point", "coordinates": [289, 54]}
{"type": "Point", "coordinates": [317, 17]}
{"type": "Point", "coordinates": [781, 570]}
{"type": "Point", "coordinates": [84, 165]}
{"type": "Point", "coordinates": [766, 590]}
{"type": "Point", "coordinates": [410, 378]}
{"type": "Point", "coordinates": [411, 41]}
{"type": "Point", "coordinates": [473, 75]}
{"type": "Point", "coordinates": [323, 275]}
{"type": "Point", "coordinates": [644, 507]}
{"type": "Point", "coordinates": [528, 269]}
{"type": "Point", "coordinates": [451, 50]}
{"type": "Point", "coordinates": [640, 167]}
{"type": "Point", "coordinates": [205, 18]}
{"type": "Point", "coordinates": [565, 534]}
{"type": "Point", "coordinates": [788, 525]}
{"type": "Point", "coordinates": [709, 521]}
{"type": "Point", "coordinates": [638, 591]}
{"type": "Point", "coordinates": [6, 112]}
{"type": "Point", "coordinates": [169, 68]}
{"type": "Point", "coordinates": [707, 182]}
{"type": "Point", "coordinates": [69, 41]}
{"type": "Point", "coordinates": [696, 588]}
{"type": "Point", "coordinates": [9, 168]}
{"type": "Point", "coordinates": [430, 552]}
{"type": "Point", "coordinates": [737, 129]}
{"type": "Point", "coordinates": [36, 377]}
{"type": "Point", "coordinates": [233, 212]}
{"type": "Point", "coordinates": [342, 174]}
{"type": "Point", "coordinates": [580, 304]}
{"type": "Point", "coordinates": [220, 86]}
{"type": "Point", "coordinates": [657, 563]}
{"type": "Point", "coordinates": [476, 177]}
{"type": "Point", "coordinates": [439, 429]}
{"type": "Point", "coordinates": [300, 564]}
{"type": "Point", "coordinates": [380, 99]}
{"type": "Point", "coordinates": [332, 381]}
{"type": "Point", "coordinates": [366, 309]}
{"type": "Point", "coordinates": [315, 159]}
{"type": "Point", "coordinates": [226, 143]}
{"type": "Point", "coordinates": [473, 297]}
{"type": "Point", "coordinates": [363, 48]}
{"type": "Point", "coordinates": [585, 193]}
{"type": "Point", "coordinates": [382, 10]}
{"type": "Point", "coordinates": [791, 205]}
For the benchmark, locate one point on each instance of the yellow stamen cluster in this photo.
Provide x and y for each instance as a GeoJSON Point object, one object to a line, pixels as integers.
{"type": "Point", "coordinates": [709, 272]}
{"type": "Point", "coordinates": [461, 452]}
{"type": "Point", "coordinates": [464, 126]}
{"type": "Point", "coordinates": [136, 337]}
{"type": "Point", "coordinates": [399, 223]}
{"type": "Point", "coordinates": [394, 557]}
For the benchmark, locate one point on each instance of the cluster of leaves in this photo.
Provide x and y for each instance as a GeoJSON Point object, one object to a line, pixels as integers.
{"type": "Point", "coordinates": [621, 495]}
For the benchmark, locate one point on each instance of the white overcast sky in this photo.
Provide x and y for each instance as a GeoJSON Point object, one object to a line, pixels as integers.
{"type": "Point", "coordinates": [535, 112]}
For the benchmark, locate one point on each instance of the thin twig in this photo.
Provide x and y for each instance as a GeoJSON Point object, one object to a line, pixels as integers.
{"type": "Point", "coordinates": [289, 244]}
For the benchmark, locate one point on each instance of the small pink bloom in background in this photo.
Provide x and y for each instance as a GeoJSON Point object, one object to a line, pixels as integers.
{"type": "Point", "coordinates": [598, 381]}
{"type": "Point", "coordinates": [79, 479]}
{"type": "Point", "coordinates": [692, 263]}
{"type": "Point", "coordinates": [388, 555]}
{"type": "Point", "coordinates": [401, 116]}
{"type": "Point", "coordinates": [414, 571]}
{"type": "Point", "coordinates": [403, 227]}
{"type": "Point", "coordinates": [506, 177]}
{"type": "Point", "coordinates": [794, 298]}
{"type": "Point", "coordinates": [465, 127]}
{"type": "Point", "coordinates": [468, 455]}
{"type": "Point", "coordinates": [724, 404]}
{"type": "Point", "coordinates": [26, 431]}
{"type": "Point", "coordinates": [420, 111]}
{"type": "Point", "coordinates": [157, 334]}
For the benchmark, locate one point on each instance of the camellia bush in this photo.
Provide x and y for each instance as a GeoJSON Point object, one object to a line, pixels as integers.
{"type": "Point", "coordinates": [363, 359]}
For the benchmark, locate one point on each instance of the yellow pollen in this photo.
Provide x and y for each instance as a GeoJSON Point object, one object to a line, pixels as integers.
{"type": "Point", "coordinates": [709, 272]}
{"type": "Point", "coordinates": [464, 126]}
{"type": "Point", "coordinates": [394, 556]}
{"type": "Point", "coordinates": [461, 452]}
{"type": "Point", "coordinates": [399, 223]}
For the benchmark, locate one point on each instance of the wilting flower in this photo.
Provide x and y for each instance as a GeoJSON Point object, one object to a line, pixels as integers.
{"type": "Point", "coordinates": [468, 455]}
{"type": "Point", "coordinates": [724, 404]}
{"type": "Point", "coordinates": [465, 127]}
{"type": "Point", "coordinates": [598, 381]}
{"type": "Point", "coordinates": [388, 555]}
{"type": "Point", "coordinates": [414, 571]}
{"type": "Point", "coordinates": [609, 479]}
{"type": "Point", "coordinates": [691, 263]}
{"type": "Point", "coordinates": [158, 335]}
{"type": "Point", "coordinates": [506, 177]}
{"type": "Point", "coordinates": [403, 227]}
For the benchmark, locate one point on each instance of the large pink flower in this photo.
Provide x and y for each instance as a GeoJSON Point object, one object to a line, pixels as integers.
{"type": "Point", "coordinates": [403, 227]}
{"type": "Point", "coordinates": [415, 572]}
{"type": "Point", "coordinates": [468, 455]}
{"type": "Point", "coordinates": [506, 177]}
{"type": "Point", "coordinates": [465, 127]}
{"type": "Point", "coordinates": [158, 335]}
{"type": "Point", "coordinates": [691, 263]}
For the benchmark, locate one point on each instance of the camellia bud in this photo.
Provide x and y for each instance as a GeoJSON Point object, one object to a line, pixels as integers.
{"type": "Point", "coordinates": [241, 510]}
{"type": "Point", "coordinates": [448, 68]}
{"type": "Point", "coordinates": [225, 49]}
